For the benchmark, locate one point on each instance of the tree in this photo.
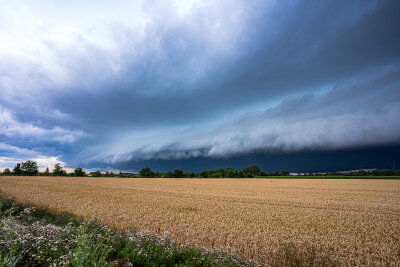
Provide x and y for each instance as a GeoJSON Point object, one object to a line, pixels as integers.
{"type": "Point", "coordinates": [146, 172]}
{"type": "Point", "coordinates": [95, 174]}
{"type": "Point", "coordinates": [231, 173]}
{"type": "Point", "coordinates": [168, 174]}
{"type": "Point", "coordinates": [79, 172]}
{"type": "Point", "coordinates": [252, 169]}
{"type": "Point", "coordinates": [58, 170]}
{"type": "Point", "coordinates": [29, 168]}
{"type": "Point", "coordinates": [205, 174]}
{"type": "Point", "coordinates": [387, 173]}
{"type": "Point", "coordinates": [219, 173]}
{"type": "Point", "coordinates": [17, 169]}
{"type": "Point", "coordinates": [178, 173]}
{"type": "Point", "coordinates": [46, 172]}
{"type": "Point", "coordinates": [7, 171]}
{"type": "Point", "coordinates": [285, 173]}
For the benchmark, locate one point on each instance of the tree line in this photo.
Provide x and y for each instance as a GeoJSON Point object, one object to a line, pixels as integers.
{"type": "Point", "coordinates": [247, 172]}
{"type": "Point", "coordinates": [30, 168]}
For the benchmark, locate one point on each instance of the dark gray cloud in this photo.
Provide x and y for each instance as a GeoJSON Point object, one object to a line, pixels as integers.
{"type": "Point", "coordinates": [351, 115]}
{"type": "Point", "coordinates": [210, 80]}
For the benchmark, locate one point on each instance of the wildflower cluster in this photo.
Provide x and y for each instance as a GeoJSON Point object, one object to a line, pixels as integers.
{"type": "Point", "coordinates": [147, 247]}
{"type": "Point", "coordinates": [39, 242]}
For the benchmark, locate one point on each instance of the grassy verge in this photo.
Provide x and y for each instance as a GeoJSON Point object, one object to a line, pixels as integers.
{"type": "Point", "coordinates": [36, 237]}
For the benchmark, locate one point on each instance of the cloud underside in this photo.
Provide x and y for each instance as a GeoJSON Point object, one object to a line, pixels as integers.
{"type": "Point", "coordinates": [186, 79]}
{"type": "Point", "coordinates": [351, 116]}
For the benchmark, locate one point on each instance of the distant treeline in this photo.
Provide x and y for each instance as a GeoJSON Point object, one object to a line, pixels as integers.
{"type": "Point", "coordinates": [30, 168]}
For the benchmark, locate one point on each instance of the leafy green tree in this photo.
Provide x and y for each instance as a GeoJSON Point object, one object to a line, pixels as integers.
{"type": "Point", "coordinates": [79, 172]}
{"type": "Point", "coordinates": [168, 174]}
{"type": "Point", "coordinates": [46, 172]}
{"type": "Point", "coordinates": [219, 173]}
{"type": "Point", "coordinates": [7, 171]}
{"type": "Point", "coordinates": [252, 169]}
{"type": "Point", "coordinates": [205, 174]}
{"type": "Point", "coordinates": [285, 173]}
{"type": "Point", "coordinates": [58, 170]}
{"type": "Point", "coordinates": [17, 169]}
{"type": "Point", "coordinates": [29, 168]}
{"type": "Point", "coordinates": [110, 174]}
{"type": "Point", "coordinates": [231, 173]}
{"type": "Point", "coordinates": [178, 173]}
{"type": "Point", "coordinates": [146, 172]}
{"type": "Point", "coordinates": [95, 174]}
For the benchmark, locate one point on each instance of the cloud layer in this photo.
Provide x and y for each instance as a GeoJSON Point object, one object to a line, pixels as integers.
{"type": "Point", "coordinates": [96, 83]}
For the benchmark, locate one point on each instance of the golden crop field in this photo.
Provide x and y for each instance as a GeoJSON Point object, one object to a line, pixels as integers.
{"type": "Point", "coordinates": [351, 222]}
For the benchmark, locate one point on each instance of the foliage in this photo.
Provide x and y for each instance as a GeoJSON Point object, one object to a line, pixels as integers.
{"type": "Point", "coordinates": [95, 174]}
{"type": "Point", "coordinates": [17, 169]}
{"type": "Point", "coordinates": [95, 243]}
{"type": "Point", "coordinates": [79, 172]}
{"type": "Point", "coordinates": [29, 168]}
{"type": "Point", "coordinates": [168, 174]}
{"type": "Point", "coordinates": [285, 173]}
{"type": "Point", "coordinates": [46, 172]}
{"type": "Point", "coordinates": [146, 172]}
{"type": "Point", "coordinates": [7, 171]}
{"type": "Point", "coordinates": [109, 174]}
{"type": "Point", "coordinates": [58, 170]}
{"type": "Point", "coordinates": [177, 173]}
{"type": "Point", "coordinates": [252, 169]}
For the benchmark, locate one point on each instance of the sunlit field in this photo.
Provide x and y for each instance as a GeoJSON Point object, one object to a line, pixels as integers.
{"type": "Point", "coordinates": [348, 222]}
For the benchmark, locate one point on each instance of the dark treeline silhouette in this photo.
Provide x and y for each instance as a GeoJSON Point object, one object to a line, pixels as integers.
{"type": "Point", "coordinates": [30, 168]}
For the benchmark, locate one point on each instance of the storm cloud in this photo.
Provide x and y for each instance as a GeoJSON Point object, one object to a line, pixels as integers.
{"type": "Point", "coordinates": [101, 85]}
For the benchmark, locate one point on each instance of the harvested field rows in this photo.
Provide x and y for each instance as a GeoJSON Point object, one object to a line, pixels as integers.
{"type": "Point", "coordinates": [354, 222]}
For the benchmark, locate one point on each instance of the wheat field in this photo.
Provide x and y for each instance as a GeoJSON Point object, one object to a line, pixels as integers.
{"type": "Point", "coordinates": [349, 222]}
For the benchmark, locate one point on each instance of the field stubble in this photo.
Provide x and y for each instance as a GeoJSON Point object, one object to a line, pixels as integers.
{"type": "Point", "coordinates": [349, 222]}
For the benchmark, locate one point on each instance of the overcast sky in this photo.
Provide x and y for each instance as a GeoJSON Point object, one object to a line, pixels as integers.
{"type": "Point", "coordinates": [97, 84]}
